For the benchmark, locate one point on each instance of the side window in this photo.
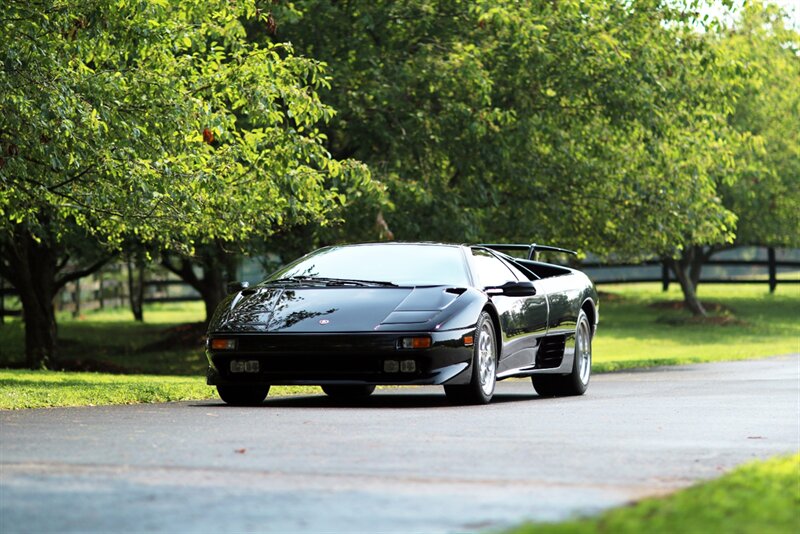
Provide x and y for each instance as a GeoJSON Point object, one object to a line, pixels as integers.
{"type": "Point", "coordinates": [490, 270]}
{"type": "Point", "coordinates": [522, 275]}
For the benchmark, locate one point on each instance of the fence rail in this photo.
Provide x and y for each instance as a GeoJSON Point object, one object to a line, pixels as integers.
{"type": "Point", "coordinates": [771, 267]}
{"type": "Point", "coordinates": [109, 290]}
{"type": "Point", "coordinates": [98, 291]}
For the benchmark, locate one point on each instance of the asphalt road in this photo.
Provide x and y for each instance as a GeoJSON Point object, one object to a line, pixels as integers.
{"type": "Point", "coordinates": [403, 461]}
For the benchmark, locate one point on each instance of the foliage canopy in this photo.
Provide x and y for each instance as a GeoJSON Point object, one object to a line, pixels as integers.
{"type": "Point", "coordinates": [151, 121]}
{"type": "Point", "coordinates": [596, 125]}
{"type": "Point", "coordinates": [160, 120]}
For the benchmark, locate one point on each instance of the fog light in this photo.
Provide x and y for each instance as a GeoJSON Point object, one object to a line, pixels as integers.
{"type": "Point", "coordinates": [421, 342]}
{"type": "Point", "coordinates": [408, 366]}
{"type": "Point", "coordinates": [391, 366]}
{"type": "Point", "coordinates": [251, 366]}
{"type": "Point", "coordinates": [237, 366]}
{"type": "Point", "coordinates": [223, 344]}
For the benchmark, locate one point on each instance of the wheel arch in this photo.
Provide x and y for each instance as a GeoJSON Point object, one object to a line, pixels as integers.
{"type": "Point", "coordinates": [498, 334]}
{"type": "Point", "coordinates": [590, 310]}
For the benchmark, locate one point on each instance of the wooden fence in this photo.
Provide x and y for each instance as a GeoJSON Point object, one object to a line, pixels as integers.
{"type": "Point", "coordinates": [769, 270]}
{"type": "Point", "coordinates": [109, 289]}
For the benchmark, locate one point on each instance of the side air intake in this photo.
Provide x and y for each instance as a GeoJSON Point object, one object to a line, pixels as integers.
{"type": "Point", "coordinates": [551, 352]}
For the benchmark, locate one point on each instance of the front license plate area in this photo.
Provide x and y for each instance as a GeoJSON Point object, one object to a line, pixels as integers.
{"type": "Point", "coordinates": [244, 366]}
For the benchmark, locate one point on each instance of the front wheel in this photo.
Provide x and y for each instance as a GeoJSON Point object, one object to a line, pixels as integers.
{"type": "Point", "coordinates": [577, 381]}
{"type": "Point", "coordinates": [243, 395]}
{"type": "Point", "coordinates": [484, 367]}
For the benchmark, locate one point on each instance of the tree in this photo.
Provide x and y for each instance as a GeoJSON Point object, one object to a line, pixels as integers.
{"type": "Point", "coordinates": [596, 125]}
{"type": "Point", "coordinates": [39, 266]}
{"type": "Point", "coordinates": [214, 262]}
{"type": "Point", "coordinates": [124, 120]}
{"type": "Point", "coordinates": [760, 183]}
{"type": "Point", "coordinates": [767, 196]}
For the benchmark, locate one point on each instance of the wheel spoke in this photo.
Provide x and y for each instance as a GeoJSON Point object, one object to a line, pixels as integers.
{"type": "Point", "coordinates": [486, 363]}
{"type": "Point", "coordinates": [583, 351]}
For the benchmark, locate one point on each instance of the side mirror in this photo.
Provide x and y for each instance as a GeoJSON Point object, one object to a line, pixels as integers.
{"type": "Point", "coordinates": [524, 288]}
{"type": "Point", "coordinates": [235, 287]}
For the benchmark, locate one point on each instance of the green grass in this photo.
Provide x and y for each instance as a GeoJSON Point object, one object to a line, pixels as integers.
{"type": "Point", "coordinates": [114, 338]}
{"type": "Point", "coordinates": [38, 389]}
{"type": "Point", "coordinates": [41, 389]}
{"type": "Point", "coordinates": [633, 333]}
{"type": "Point", "coordinates": [759, 497]}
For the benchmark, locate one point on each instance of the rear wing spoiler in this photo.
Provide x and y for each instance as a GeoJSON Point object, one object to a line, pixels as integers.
{"type": "Point", "coordinates": [532, 250]}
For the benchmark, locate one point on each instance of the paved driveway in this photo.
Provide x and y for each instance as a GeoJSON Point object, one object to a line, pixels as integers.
{"type": "Point", "coordinates": [403, 461]}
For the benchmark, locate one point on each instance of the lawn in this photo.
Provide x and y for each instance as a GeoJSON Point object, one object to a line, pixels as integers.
{"type": "Point", "coordinates": [639, 325]}
{"type": "Point", "coordinates": [38, 389]}
{"type": "Point", "coordinates": [41, 389]}
{"type": "Point", "coordinates": [162, 359]}
{"type": "Point", "coordinates": [759, 497]}
{"type": "Point", "coordinates": [110, 340]}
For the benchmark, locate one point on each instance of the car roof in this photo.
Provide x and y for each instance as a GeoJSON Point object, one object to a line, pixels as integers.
{"type": "Point", "coordinates": [392, 243]}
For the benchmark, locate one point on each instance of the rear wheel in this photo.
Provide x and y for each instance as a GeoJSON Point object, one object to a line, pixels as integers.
{"type": "Point", "coordinates": [243, 395]}
{"type": "Point", "coordinates": [348, 392]}
{"type": "Point", "coordinates": [484, 367]}
{"type": "Point", "coordinates": [577, 381]}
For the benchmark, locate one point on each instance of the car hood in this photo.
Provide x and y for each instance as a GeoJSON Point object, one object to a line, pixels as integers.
{"type": "Point", "coordinates": [332, 309]}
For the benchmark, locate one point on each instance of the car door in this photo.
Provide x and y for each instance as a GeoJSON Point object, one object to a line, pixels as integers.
{"type": "Point", "coordinates": [522, 319]}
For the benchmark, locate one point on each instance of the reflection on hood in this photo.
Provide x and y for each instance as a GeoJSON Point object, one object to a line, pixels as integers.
{"type": "Point", "coordinates": [329, 309]}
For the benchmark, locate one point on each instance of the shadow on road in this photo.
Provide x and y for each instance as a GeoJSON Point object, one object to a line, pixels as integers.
{"type": "Point", "coordinates": [381, 400]}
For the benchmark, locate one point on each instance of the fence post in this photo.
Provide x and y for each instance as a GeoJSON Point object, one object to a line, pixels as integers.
{"type": "Point", "coordinates": [664, 276]}
{"type": "Point", "coordinates": [773, 278]}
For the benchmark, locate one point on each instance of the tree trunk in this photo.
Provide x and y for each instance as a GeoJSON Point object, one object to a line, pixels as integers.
{"type": "Point", "coordinates": [136, 288]}
{"type": "Point", "coordinates": [76, 299]}
{"type": "Point", "coordinates": [218, 267]}
{"type": "Point", "coordinates": [696, 261]}
{"type": "Point", "coordinates": [213, 290]}
{"type": "Point", "coordinates": [690, 299]}
{"type": "Point", "coordinates": [32, 268]}
{"type": "Point", "coordinates": [41, 333]}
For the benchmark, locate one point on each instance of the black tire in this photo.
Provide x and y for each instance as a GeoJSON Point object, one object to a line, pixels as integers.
{"type": "Point", "coordinates": [245, 395]}
{"type": "Point", "coordinates": [577, 381]}
{"type": "Point", "coordinates": [484, 367]}
{"type": "Point", "coordinates": [348, 392]}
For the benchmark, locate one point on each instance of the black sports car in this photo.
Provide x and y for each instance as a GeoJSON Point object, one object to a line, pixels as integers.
{"type": "Point", "coordinates": [351, 317]}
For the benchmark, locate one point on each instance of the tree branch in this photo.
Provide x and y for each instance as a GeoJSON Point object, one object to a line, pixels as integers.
{"type": "Point", "coordinates": [72, 179]}
{"type": "Point", "coordinates": [185, 272]}
{"type": "Point", "coordinates": [80, 273]}
{"type": "Point", "coordinates": [63, 263]}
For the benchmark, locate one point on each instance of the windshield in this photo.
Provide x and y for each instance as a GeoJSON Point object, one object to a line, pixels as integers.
{"type": "Point", "coordinates": [398, 263]}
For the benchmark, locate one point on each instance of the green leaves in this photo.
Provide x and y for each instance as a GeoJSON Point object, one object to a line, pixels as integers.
{"type": "Point", "coordinates": [106, 105]}
{"type": "Point", "coordinates": [766, 190]}
{"type": "Point", "coordinates": [602, 125]}
{"type": "Point", "coordinates": [598, 125]}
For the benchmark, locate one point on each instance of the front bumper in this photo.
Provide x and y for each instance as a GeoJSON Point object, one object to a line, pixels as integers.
{"type": "Point", "coordinates": [317, 359]}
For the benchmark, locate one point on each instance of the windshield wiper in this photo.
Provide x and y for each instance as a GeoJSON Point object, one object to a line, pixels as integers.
{"type": "Point", "coordinates": [330, 281]}
{"type": "Point", "coordinates": [296, 280]}
{"type": "Point", "coordinates": [354, 282]}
